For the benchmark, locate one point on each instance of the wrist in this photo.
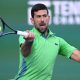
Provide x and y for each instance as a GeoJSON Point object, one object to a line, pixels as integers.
{"type": "Point", "coordinates": [28, 42]}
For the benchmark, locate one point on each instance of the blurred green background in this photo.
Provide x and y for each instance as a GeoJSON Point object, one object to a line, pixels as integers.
{"type": "Point", "coordinates": [14, 12]}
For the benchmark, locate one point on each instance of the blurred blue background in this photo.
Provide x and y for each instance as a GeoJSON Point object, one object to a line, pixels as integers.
{"type": "Point", "coordinates": [14, 13]}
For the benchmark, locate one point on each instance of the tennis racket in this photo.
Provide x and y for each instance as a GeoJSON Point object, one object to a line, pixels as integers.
{"type": "Point", "coordinates": [4, 31]}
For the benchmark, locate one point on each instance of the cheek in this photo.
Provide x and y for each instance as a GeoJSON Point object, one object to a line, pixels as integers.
{"type": "Point", "coordinates": [47, 21]}
{"type": "Point", "coordinates": [36, 23]}
{"type": "Point", "coordinates": [36, 20]}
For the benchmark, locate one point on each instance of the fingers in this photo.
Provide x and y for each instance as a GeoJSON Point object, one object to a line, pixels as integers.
{"type": "Point", "coordinates": [30, 36]}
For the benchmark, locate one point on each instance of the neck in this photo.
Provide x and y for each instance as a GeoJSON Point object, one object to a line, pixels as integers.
{"type": "Point", "coordinates": [45, 33]}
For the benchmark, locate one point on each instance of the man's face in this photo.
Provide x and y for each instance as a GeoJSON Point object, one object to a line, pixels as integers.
{"type": "Point", "coordinates": [41, 20]}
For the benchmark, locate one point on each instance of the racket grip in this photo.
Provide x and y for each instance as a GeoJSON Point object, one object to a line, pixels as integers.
{"type": "Point", "coordinates": [23, 33]}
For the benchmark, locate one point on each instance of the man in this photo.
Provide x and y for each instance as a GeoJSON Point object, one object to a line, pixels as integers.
{"type": "Point", "coordinates": [39, 49]}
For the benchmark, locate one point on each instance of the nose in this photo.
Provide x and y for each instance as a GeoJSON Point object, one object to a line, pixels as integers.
{"type": "Point", "coordinates": [42, 19]}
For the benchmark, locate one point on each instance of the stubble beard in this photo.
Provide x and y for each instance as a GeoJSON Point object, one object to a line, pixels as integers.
{"type": "Point", "coordinates": [42, 30]}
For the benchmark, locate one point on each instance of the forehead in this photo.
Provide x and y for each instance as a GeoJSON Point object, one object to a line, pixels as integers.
{"type": "Point", "coordinates": [40, 12]}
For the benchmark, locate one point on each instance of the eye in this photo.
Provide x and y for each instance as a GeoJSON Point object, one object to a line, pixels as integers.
{"type": "Point", "coordinates": [45, 15]}
{"type": "Point", "coordinates": [38, 16]}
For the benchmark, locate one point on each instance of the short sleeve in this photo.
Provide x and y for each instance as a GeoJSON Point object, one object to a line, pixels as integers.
{"type": "Point", "coordinates": [21, 40]}
{"type": "Point", "coordinates": [65, 48]}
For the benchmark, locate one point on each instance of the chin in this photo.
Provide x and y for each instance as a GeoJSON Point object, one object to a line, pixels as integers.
{"type": "Point", "coordinates": [43, 31]}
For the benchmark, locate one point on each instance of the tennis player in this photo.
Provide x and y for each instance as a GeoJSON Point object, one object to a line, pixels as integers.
{"type": "Point", "coordinates": [39, 49]}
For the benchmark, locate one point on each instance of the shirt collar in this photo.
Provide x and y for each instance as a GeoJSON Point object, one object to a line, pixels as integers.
{"type": "Point", "coordinates": [38, 33]}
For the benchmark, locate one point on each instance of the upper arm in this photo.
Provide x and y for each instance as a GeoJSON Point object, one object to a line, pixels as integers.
{"type": "Point", "coordinates": [76, 55]}
{"type": "Point", "coordinates": [65, 48]}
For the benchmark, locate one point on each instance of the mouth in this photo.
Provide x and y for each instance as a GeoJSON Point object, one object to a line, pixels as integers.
{"type": "Point", "coordinates": [43, 27]}
{"type": "Point", "coordinates": [42, 24]}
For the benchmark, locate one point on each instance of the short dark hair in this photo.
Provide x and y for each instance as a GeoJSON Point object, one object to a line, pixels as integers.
{"type": "Point", "coordinates": [37, 7]}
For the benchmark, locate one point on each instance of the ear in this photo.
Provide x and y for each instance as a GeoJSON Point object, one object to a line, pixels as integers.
{"type": "Point", "coordinates": [32, 20]}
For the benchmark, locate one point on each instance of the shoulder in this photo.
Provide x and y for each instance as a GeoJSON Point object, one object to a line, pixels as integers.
{"type": "Point", "coordinates": [21, 39]}
{"type": "Point", "coordinates": [60, 39]}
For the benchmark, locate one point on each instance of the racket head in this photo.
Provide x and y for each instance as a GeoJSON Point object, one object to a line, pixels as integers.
{"type": "Point", "coordinates": [2, 27]}
{"type": "Point", "coordinates": [5, 29]}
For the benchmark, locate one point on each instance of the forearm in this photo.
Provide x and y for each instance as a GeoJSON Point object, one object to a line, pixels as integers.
{"type": "Point", "coordinates": [26, 48]}
{"type": "Point", "coordinates": [76, 56]}
{"type": "Point", "coordinates": [27, 45]}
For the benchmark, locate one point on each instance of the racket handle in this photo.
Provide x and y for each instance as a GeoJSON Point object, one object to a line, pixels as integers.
{"type": "Point", "coordinates": [23, 33]}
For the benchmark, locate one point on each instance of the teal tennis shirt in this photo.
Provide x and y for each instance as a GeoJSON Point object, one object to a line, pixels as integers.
{"type": "Point", "coordinates": [40, 63]}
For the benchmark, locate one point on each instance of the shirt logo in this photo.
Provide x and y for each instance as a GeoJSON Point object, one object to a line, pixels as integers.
{"type": "Point", "coordinates": [56, 44]}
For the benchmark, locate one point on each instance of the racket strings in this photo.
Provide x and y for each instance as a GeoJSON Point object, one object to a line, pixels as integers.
{"type": "Point", "coordinates": [5, 29]}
